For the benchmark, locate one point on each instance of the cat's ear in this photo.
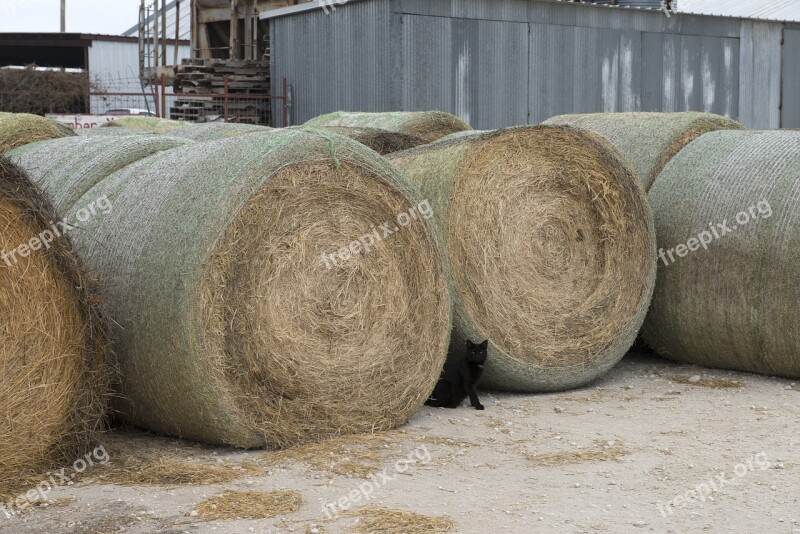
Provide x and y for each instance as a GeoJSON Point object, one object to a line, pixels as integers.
{"type": "Point", "coordinates": [470, 344]}
{"type": "Point", "coordinates": [485, 344]}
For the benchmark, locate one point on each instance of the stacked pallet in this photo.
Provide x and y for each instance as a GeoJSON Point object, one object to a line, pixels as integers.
{"type": "Point", "coordinates": [216, 84]}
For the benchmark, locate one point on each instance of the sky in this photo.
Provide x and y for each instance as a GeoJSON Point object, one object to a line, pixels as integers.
{"type": "Point", "coordinates": [110, 17]}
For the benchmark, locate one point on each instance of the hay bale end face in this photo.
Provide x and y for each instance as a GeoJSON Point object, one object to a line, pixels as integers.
{"type": "Point", "coordinates": [54, 383]}
{"type": "Point", "coordinates": [552, 250]}
{"type": "Point", "coordinates": [233, 322]}
{"type": "Point", "coordinates": [649, 140]}
{"type": "Point", "coordinates": [381, 141]}
{"type": "Point", "coordinates": [18, 129]}
{"type": "Point", "coordinates": [727, 298]}
{"type": "Point", "coordinates": [427, 125]}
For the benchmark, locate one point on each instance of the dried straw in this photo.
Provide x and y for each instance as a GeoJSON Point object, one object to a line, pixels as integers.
{"type": "Point", "coordinates": [552, 249]}
{"type": "Point", "coordinates": [152, 124]}
{"type": "Point", "coordinates": [381, 141]}
{"type": "Point", "coordinates": [17, 129]}
{"type": "Point", "coordinates": [649, 140]}
{"type": "Point", "coordinates": [233, 505]}
{"type": "Point", "coordinates": [427, 125]}
{"type": "Point", "coordinates": [733, 306]}
{"type": "Point", "coordinates": [53, 341]}
{"type": "Point", "coordinates": [389, 521]}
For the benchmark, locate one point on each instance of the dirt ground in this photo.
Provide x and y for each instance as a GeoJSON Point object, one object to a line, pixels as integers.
{"type": "Point", "coordinates": [652, 447]}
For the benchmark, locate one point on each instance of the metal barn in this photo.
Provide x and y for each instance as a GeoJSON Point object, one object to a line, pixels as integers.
{"type": "Point", "coordinates": [498, 63]}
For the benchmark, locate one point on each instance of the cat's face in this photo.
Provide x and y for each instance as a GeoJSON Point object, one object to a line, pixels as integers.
{"type": "Point", "coordinates": [477, 353]}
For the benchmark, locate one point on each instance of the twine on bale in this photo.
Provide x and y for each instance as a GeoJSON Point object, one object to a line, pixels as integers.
{"type": "Point", "coordinates": [552, 250]}
{"type": "Point", "coordinates": [210, 131]}
{"type": "Point", "coordinates": [648, 140]}
{"type": "Point", "coordinates": [17, 129]}
{"type": "Point", "coordinates": [427, 125]}
{"type": "Point", "coordinates": [732, 302]}
{"type": "Point", "coordinates": [229, 326]}
{"type": "Point", "coordinates": [68, 168]}
{"type": "Point", "coordinates": [381, 141]}
{"type": "Point", "coordinates": [54, 385]}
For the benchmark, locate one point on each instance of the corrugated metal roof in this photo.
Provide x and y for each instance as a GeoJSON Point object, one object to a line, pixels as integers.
{"type": "Point", "coordinates": [753, 9]}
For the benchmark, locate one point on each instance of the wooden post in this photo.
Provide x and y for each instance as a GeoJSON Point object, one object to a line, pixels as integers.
{"type": "Point", "coordinates": [164, 96]}
{"type": "Point", "coordinates": [234, 43]}
{"type": "Point", "coordinates": [156, 44]}
{"type": "Point", "coordinates": [225, 99]}
{"type": "Point", "coordinates": [63, 16]}
{"type": "Point", "coordinates": [177, 29]}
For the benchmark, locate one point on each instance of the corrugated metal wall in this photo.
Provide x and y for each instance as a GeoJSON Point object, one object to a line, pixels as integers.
{"type": "Point", "coordinates": [504, 62]}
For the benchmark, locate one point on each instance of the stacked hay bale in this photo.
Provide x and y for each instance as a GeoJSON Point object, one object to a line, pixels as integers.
{"type": "Point", "coordinates": [551, 245]}
{"type": "Point", "coordinates": [152, 124]}
{"type": "Point", "coordinates": [381, 141]}
{"type": "Point", "coordinates": [253, 280]}
{"type": "Point", "coordinates": [54, 383]}
{"type": "Point", "coordinates": [726, 211]}
{"type": "Point", "coordinates": [427, 125]}
{"type": "Point", "coordinates": [211, 131]}
{"type": "Point", "coordinates": [68, 168]}
{"type": "Point", "coordinates": [17, 129]}
{"type": "Point", "coordinates": [649, 140]}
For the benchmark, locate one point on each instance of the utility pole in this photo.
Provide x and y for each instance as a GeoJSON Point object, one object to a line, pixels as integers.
{"type": "Point", "coordinates": [63, 16]}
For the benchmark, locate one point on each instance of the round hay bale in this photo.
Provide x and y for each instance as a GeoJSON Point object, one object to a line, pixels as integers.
{"type": "Point", "coordinates": [54, 382]}
{"type": "Point", "coordinates": [211, 131]}
{"type": "Point", "coordinates": [732, 302]}
{"type": "Point", "coordinates": [649, 140]}
{"type": "Point", "coordinates": [551, 246]}
{"type": "Point", "coordinates": [112, 132]}
{"type": "Point", "coordinates": [152, 124]}
{"type": "Point", "coordinates": [229, 325]}
{"type": "Point", "coordinates": [68, 168]}
{"type": "Point", "coordinates": [459, 135]}
{"type": "Point", "coordinates": [427, 125]}
{"type": "Point", "coordinates": [381, 141]}
{"type": "Point", "coordinates": [17, 129]}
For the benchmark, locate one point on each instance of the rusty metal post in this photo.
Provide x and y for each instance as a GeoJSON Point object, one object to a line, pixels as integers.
{"type": "Point", "coordinates": [225, 99]}
{"type": "Point", "coordinates": [164, 96]}
{"type": "Point", "coordinates": [164, 32]}
{"type": "Point", "coordinates": [63, 16]}
{"type": "Point", "coordinates": [177, 29]}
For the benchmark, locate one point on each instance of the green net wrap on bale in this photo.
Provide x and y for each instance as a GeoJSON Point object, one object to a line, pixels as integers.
{"type": "Point", "coordinates": [381, 141]}
{"type": "Point", "coordinates": [68, 168]}
{"type": "Point", "coordinates": [649, 140]}
{"type": "Point", "coordinates": [17, 129]}
{"type": "Point", "coordinates": [54, 384]}
{"type": "Point", "coordinates": [427, 125]}
{"type": "Point", "coordinates": [551, 246]}
{"type": "Point", "coordinates": [153, 124]}
{"type": "Point", "coordinates": [212, 131]}
{"type": "Point", "coordinates": [229, 325]}
{"type": "Point", "coordinates": [730, 298]}
{"type": "Point", "coordinates": [113, 132]}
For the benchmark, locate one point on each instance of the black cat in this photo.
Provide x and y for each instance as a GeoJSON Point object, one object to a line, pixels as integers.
{"type": "Point", "coordinates": [460, 378]}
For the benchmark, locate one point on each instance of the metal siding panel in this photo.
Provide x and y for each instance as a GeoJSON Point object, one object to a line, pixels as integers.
{"type": "Point", "coordinates": [428, 71]}
{"type": "Point", "coordinates": [791, 80]}
{"type": "Point", "coordinates": [654, 73]}
{"type": "Point", "coordinates": [550, 78]}
{"type": "Point", "coordinates": [334, 61]}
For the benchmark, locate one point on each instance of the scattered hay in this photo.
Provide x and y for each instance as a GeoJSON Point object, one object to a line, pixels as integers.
{"type": "Point", "coordinates": [713, 383]}
{"type": "Point", "coordinates": [355, 456]}
{"type": "Point", "coordinates": [733, 306]}
{"type": "Point", "coordinates": [389, 521]}
{"type": "Point", "coordinates": [233, 505]}
{"type": "Point", "coordinates": [599, 453]}
{"type": "Point", "coordinates": [542, 225]}
{"type": "Point", "coordinates": [222, 298]}
{"type": "Point", "coordinates": [211, 131]}
{"type": "Point", "coordinates": [54, 346]}
{"type": "Point", "coordinates": [649, 140]}
{"type": "Point", "coordinates": [152, 124]}
{"type": "Point", "coordinates": [18, 129]}
{"type": "Point", "coordinates": [381, 141]}
{"type": "Point", "coordinates": [427, 125]}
